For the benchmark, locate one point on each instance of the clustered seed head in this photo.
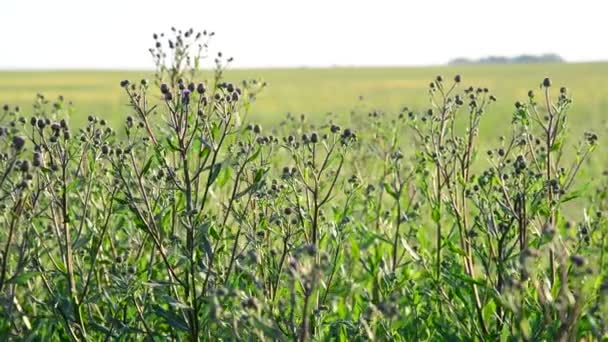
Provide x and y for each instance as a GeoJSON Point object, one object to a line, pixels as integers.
{"type": "Point", "coordinates": [457, 78]}
{"type": "Point", "coordinates": [124, 83]}
{"type": "Point", "coordinates": [547, 82]}
{"type": "Point", "coordinates": [591, 138]}
{"type": "Point", "coordinates": [457, 100]}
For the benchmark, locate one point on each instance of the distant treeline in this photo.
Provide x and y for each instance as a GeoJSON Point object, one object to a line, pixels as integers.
{"type": "Point", "coordinates": [522, 59]}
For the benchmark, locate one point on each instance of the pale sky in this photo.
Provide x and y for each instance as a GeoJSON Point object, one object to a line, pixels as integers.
{"type": "Point", "coordinates": [45, 34]}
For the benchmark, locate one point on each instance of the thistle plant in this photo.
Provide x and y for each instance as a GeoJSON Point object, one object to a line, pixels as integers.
{"type": "Point", "coordinates": [192, 221]}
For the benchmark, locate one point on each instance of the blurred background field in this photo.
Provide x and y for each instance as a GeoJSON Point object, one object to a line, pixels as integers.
{"type": "Point", "coordinates": [318, 91]}
{"type": "Point", "coordinates": [315, 92]}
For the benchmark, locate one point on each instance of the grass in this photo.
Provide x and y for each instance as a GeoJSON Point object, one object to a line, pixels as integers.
{"type": "Point", "coordinates": [376, 225]}
{"type": "Point", "coordinates": [318, 91]}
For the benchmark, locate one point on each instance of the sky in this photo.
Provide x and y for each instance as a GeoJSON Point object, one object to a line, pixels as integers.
{"type": "Point", "coordinates": [116, 34]}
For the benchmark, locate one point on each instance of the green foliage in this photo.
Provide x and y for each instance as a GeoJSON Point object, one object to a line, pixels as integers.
{"type": "Point", "coordinates": [194, 223]}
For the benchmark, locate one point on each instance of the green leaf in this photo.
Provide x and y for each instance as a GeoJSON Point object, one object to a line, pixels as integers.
{"type": "Point", "coordinates": [171, 318]}
{"type": "Point", "coordinates": [224, 176]}
{"type": "Point", "coordinates": [436, 215]}
{"type": "Point", "coordinates": [171, 145]}
{"type": "Point", "coordinates": [215, 171]}
{"type": "Point", "coordinates": [176, 303]}
{"type": "Point", "coordinates": [213, 233]}
{"type": "Point", "coordinates": [410, 250]}
{"type": "Point", "coordinates": [147, 166]}
{"type": "Point", "coordinates": [390, 191]}
{"type": "Point", "coordinates": [23, 278]}
{"type": "Point", "coordinates": [159, 284]}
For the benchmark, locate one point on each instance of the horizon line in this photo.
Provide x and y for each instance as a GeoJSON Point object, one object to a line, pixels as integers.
{"type": "Point", "coordinates": [293, 67]}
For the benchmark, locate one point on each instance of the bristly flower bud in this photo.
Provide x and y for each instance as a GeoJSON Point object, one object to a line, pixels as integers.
{"type": "Point", "coordinates": [186, 96]}
{"type": "Point", "coordinates": [577, 260]}
{"type": "Point", "coordinates": [457, 78]}
{"type": "Point", "coordinates": [18, 142]}
{"type": "Point", "coordinates": [124, 83]}
{"type": "Point", "coordinates": [164, 88]}
{"type": "Point", "coordinates": [547, 82]}
{"type": "Point", "coordinates": [200, 88]}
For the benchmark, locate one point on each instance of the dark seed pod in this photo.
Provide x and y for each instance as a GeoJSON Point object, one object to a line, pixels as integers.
{"type": "Point", "coordinates": [18, 142]}
{"type": "Point", "coordinates": [186, 96]}
{"type": "Point", "coordinates": [124, 83]}
{"type": "Point", "coordinates": [164, 88]}
{"type": "Point", "coordinates": [577, 260]}
{"type": "Point", "coordinates": [200, 88]}
{"type": "Point", "coordinates": [24, 166]}
{"type": "Point", "coordinates": [547, 82]}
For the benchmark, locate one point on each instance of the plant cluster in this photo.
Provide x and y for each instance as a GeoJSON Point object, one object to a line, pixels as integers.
{"type": "Point", "coordinates": [192, 222]}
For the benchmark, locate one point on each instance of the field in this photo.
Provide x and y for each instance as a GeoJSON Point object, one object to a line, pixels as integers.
{"type": "Point", "coordinates": [318, 91]}
{"type": "Point", "coordinates": [468, 217]}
